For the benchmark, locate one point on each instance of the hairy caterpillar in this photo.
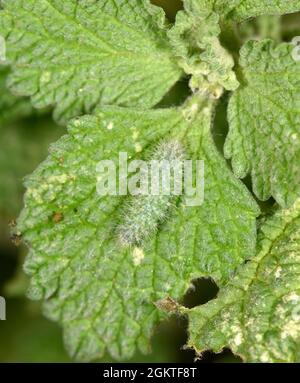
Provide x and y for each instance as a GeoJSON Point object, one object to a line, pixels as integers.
{"type": "Point", "coordinates": [142, 214]}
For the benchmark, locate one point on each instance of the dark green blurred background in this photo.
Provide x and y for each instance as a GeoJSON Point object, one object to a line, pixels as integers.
{"type": "Point", "coordinates": [26, 336]}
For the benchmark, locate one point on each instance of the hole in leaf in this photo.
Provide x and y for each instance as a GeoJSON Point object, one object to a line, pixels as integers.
{"type": "Point", "coordinates": [168, 345]}
{"type": "Point", "coordinates": [169, 340]}
{"type": "Point", "coordinates": [201, 291]}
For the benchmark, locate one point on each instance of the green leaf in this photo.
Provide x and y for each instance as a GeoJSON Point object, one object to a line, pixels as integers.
{"type": "Point", "coordinates": [104, 293]}
{"type": "Point", "coordinates": [77, 55]}
{"type": "Point", "coordinates": [257, 314]}
{"type": "Point", "coordinates": [196, 36]}
{"type": "Point", "coordinates": [243, 9]}
{"type": "Point", "coordinates": [238, 10]}
{"type": "Point", "coordinates": [264, 117]}
{"type": "Point", "coordinates": [195, 40]}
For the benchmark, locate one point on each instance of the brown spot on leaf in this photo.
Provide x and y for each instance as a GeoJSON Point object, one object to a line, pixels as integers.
{"type": "Point", "coordinates": [12, 223]}
{"type": "Point", "coordinates": [57, 217]}
{"type": "Point", "coordinates": [16, 239]}
{"type": "Point", "coordinates": [167, 304]}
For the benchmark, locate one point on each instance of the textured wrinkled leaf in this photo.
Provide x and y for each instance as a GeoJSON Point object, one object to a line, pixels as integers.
{"type": "Point", "coordinates": [243, 9]}
{"type": "Point", "coordinates": [239, 10]}
{"type": "Point", "coordinates": [103, 293]}
{"type": "Point", "coordinates": [264, 118]}
{"type": "Point", "coordinates": [80, 54]}
{"type": "Point", "coordinates": [195, 40]}
{"type": "Point", "coordinates": [257, 313]}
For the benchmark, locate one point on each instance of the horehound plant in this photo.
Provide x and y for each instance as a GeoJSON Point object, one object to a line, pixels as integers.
{"type": "Point", "coordinates": [104, 66]}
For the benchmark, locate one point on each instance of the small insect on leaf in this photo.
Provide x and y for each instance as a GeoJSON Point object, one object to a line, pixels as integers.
{"type": "Point", "coordinates": [167, 304]}
{"type": "Point", "coordinates": [12, 223]}
{"type": "Point", "coordinates": [16, 239]}
{"type": "Point", "coordinates": [57, 217]}
{"type": "Point", "coordinates": [142, 214]}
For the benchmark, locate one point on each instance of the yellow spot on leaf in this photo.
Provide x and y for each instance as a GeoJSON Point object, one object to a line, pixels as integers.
{"type": "Point", "coordinates": [138, 255]}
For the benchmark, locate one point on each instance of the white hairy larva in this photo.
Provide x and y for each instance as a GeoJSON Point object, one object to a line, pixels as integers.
{"type": "Point", "coordinates": [142, 214]}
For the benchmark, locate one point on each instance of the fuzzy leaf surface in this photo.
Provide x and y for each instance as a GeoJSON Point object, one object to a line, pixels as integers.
{"type": "Point", "coordinates": [264, 120]}
{"type": "Point", "coordinates": [238, 10]}
{"type": "Point", "coordinates": [104, 293]}
{"type": "Point", "coordinates": [257, 313]}
{"type": "Point", "coordinates": [243, 9]}
{"type": "Point", "coordinates": [77, 55]}
{"type": "Point", "coordinates": [195, 40]}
